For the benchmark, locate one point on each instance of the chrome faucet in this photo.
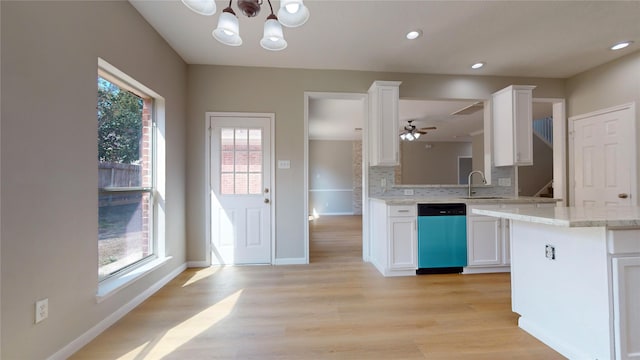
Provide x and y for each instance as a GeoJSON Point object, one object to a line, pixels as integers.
{"type": "Point", "coordinates": [484, 181]}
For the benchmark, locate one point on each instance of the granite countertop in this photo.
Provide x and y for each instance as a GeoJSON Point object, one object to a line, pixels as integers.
{"type": "Point", "coordinates": [611, 217]}
{"type": "Point", "coordinates": [486, 200]}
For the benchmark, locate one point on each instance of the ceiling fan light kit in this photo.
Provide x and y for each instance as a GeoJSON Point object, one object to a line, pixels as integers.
{"type": "Point", "coordinates": [411, 133]}
{"type": "Point", "coordinates": [292, 13]}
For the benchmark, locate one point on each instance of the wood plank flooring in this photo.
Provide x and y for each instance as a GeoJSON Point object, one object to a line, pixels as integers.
{"type": "Point", "coordinates": [335, 308]}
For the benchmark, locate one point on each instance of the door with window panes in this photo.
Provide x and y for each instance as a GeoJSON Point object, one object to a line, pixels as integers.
{"type": "Point", "coordinates": [240, 189]}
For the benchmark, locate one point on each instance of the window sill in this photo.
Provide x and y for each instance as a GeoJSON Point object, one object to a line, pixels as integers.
{"type": "Point", "coordinates": [111, 286]}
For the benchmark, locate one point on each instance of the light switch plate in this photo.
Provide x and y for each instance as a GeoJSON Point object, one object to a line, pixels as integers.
{"type": "Point", "coordinates": [504, 182]}
{"type": "Point", "coordinates": [284, 164]}
{"type": "Point", "coordinates": [408, 191]}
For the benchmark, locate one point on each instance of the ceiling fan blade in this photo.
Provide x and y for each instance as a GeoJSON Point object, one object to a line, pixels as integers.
{"type": "Point", "coordinates": [428, 128]}
{"type": "Point", "coordinates": [421, 132]}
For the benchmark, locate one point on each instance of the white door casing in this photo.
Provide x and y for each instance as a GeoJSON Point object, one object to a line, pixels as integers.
{"type": "Point", "coordinates": [603, 159]}
{"type": "Point", "coordinates": [240, 188]}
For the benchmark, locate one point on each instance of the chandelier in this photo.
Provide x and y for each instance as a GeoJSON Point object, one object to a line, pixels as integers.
{"type": "Point", "coordinates": [292, 13]}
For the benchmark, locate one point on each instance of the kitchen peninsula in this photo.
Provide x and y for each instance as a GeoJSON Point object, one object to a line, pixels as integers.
{"type": "Point", "coordinates": [575, 278]}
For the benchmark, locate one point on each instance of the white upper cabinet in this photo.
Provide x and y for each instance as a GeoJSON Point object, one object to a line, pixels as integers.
{"type": "Point", "coordinates": [512, 126]}
{"type": "Point", "coordinates": [384, 98]}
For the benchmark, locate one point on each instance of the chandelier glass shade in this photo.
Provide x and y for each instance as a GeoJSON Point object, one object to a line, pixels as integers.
{"type": "Point", "coordinates": [206, 8]}
{"type": "Point", "coordinates": [228, 30]}
{"type": "Point", "coordinates": [292, 13]}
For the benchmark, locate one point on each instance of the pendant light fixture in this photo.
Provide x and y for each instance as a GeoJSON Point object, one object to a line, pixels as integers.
{"type": "Point", "coordinates": [228, 30]}
{"type": "Point", "coordinates": [273, 39]}
{"type": "Point", "coordinates": [292, 13]}
{"type": "Point", "coordinates": [202, 7]}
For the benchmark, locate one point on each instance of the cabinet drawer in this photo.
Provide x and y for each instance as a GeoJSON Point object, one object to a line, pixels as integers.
{"type": "Point", "coordinates": [402, 210]}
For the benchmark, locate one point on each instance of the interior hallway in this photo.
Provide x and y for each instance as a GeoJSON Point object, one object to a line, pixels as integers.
{"type": "Point", "coordinates": [335, 308]}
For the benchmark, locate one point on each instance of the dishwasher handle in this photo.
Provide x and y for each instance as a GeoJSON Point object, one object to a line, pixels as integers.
{"type": "Point", "coordinates": [442, 209]}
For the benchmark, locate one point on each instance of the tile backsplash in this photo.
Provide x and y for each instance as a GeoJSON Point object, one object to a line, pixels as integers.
{"type": "Point", "coordinates": [379, 175]}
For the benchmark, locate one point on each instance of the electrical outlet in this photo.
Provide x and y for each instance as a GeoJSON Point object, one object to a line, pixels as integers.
{"type": "Point", "coordinates": [408, 191]}
{"type": "Point", "coordinates": [550, 252]}
{"type": "Point", "coordinates": [42, 310]}
{"type": "Point", "coordinates": [504, 182]}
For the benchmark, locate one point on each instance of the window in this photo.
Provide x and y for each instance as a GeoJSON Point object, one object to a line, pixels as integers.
{"type": "Point", "coordinates": [126, 176]}
{"type": "Point", "coordinates": [241, 161]}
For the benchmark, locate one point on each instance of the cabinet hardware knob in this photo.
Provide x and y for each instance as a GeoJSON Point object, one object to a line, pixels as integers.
{"type": "Point", "coordinates": [266, 201]}
{"type": "Point", "coordinates": [623, 196]}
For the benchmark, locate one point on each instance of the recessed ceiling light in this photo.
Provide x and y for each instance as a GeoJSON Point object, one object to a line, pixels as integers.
{"type": "Point", "coordinates": [414, 34]}
{"type": "Point", "coordinates": [621, 45]}
{"type": "Point", "coordinates": [477, 65]}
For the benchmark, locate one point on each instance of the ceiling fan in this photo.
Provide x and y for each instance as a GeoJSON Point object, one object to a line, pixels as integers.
{"type": "Point", "coordinates": [411, 133]}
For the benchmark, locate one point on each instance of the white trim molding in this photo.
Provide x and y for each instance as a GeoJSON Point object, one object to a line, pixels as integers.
{"type": "Point", "coordinates": [291, 261]}
{"type": "Point", "coordinates": [103, 325]}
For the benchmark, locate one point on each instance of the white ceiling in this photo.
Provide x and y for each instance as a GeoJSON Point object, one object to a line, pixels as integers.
{"type": "Point", "coordinates": [555, 39]}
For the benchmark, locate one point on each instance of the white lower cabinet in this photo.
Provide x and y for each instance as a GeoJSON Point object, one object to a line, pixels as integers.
{"type": "Point", "coordinates": [394, 238]}
{"type": "Point", "coordinates": [626, 297]}
{"type": "Point", "coordinates": [624, 254]}
{"type": "Point", "coordinates": [488, 240]}
{"type": "Point", "coordinates": [484, 240]}
{"type": "Point", "coordinates": [402, 243]}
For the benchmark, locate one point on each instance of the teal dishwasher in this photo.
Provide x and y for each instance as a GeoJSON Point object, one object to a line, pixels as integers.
{"type": "Point", "coordinates": [442, 238]}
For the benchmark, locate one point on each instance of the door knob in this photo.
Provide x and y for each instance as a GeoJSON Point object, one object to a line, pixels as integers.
{"type": "Point", "coordinates": [623, 196]}
{"type": "Point", "coordinates": [266, 201]}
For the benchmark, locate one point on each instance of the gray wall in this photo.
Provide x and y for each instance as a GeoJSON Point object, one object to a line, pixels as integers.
{"type": "Point", "coordinates": [477, 149]}
{"type": "Point", "coordinates": [49, 162]}
{"type": "Point", "coordinates": [431, 162]}
{"type": "Point", "coordinates": [331, 176]}
{"type": "Point", "coordinates": [281, 91]}
{"type": "Point", "coordinates": [608, 85]}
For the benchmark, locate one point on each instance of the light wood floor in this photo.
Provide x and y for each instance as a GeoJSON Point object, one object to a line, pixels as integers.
{"type": "Point", "coordinates": [335, 308]}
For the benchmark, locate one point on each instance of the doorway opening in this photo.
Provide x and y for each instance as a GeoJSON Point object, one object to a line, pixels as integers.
{"type": "Point", "coordinates": [549, 153]}
{"type": "Point", "coordinates": [335, 176]}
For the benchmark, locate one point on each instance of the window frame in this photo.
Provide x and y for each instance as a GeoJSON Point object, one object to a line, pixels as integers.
{"type": "Point", "coordinates": [129, 273]}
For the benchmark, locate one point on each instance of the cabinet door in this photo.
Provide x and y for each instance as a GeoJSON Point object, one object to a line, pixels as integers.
{"type": "Point", "coordinates": [503, 128]}
{"type": "Point", "coordinates": [402, 243]}
{"type": "Point", "coordinates": [511, 110]}
{"type": "Point", "coordinates": [506, 241]}
{"type": "Point", "coordinates": [523, 112]}
{"type": "Point", "coordinates": [383, 123]}
{"type": "Point", "coordinates": [485, 241]}
{"type": "Point", "coordinates": [626, 312]}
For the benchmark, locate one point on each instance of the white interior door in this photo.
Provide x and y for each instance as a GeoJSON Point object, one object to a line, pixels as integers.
{"type": "Point", "coordinates": [604, 158]}
{"type": "Point", "coordinates": [240, 163]}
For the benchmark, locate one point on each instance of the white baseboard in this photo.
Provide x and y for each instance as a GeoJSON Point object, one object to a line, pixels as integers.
{"type": "Point", "coordinates": [570, 352]}
{"type": "Point", "coordinates": [291, 261]}
{"type": "Point", "coordinates": [197, 264]}
{"type": "Point", "coordinates": [103, 325]}
{"type": "Point", "coordinates": [336, 213]}
{"type": "Point", "coordinates": [486, 269]}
